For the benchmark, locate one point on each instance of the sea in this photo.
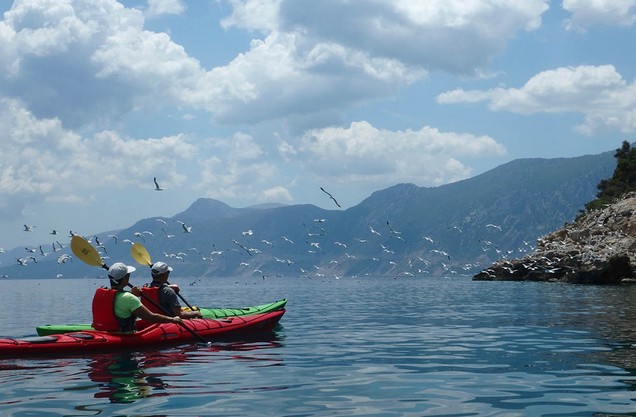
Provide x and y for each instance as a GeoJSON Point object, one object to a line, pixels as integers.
{"type": "Point", "coordinates": [348, 346]}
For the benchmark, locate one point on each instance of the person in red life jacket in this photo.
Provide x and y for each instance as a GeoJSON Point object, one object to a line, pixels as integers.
{"type": "Point", "coordinates": [167, 295]}
{"type": "Point", "coordinates": [127, 306]}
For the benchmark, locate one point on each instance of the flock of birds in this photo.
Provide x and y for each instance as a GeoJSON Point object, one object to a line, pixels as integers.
{"type": "Point", "coordinates": [316, 242]}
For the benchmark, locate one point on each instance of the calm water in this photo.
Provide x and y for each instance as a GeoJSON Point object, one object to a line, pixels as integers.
{"type": "Point", "coordinates": [353, 346]}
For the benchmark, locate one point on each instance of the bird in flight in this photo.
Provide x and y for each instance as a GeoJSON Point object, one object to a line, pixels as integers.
{"type": "Point", "coordinates": [28, 228]}
{"type": "Point", "coordinates": [64, 258]}
{"type": "Point", "coordinates": [186, 229]}
{"type": "Point", "coordinates": [157, 188]}
{"type": "Point", "coordinates": [393, 232]}
{"type": "Point", "coordinates": [242, 247]}
{"type": "Point", "coordinates": [375, 232]}
{"type": "Point", "coordinates": [330, 196]}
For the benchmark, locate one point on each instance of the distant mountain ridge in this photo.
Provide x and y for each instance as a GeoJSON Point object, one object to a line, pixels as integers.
{"type": "Point", "coordinates": [404, 230]}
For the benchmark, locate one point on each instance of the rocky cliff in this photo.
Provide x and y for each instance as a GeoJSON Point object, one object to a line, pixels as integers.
{"type": "Point", "coordinates": [596, 248]}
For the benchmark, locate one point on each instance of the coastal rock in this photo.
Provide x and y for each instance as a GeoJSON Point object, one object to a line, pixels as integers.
{"type": "Point", "coordinates": [594, 249]}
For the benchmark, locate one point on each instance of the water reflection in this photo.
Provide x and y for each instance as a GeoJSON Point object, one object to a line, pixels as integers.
{"type": "Point", "coordinates": [122, 377]}
{"type": "Point", "coordinates": [125, 377]}
{"type": "Point", "coordinates": [609, 314]}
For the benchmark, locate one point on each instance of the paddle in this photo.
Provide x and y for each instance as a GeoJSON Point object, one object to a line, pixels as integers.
{"type": "Point", "coordinates": [89, 255]}
{"type": "Point", "coordinates": [141, 255]}
{"type": "Point", "coordinates": [86, 252]}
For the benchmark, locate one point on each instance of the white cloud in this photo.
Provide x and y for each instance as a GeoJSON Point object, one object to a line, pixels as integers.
{"type": "Point", "coordinates": [364, 154]}
{"type": "Point", "coordinates": [259, 15]}
{"type": "Point", "coordinates": [589, 13]}
{"type": "Point", "coordinates": [456, 36]}
{"type": "Point", "coordinates": [161, 7]}
{"type": "Point", "coordinates": [132, 161]}
{"type": "Point", "coordinates": [278, 194]}
{"type": "Point", "coordinates": [41, 160]}
{"type": "Point", "coordinates": [333, 54]}
{"type": "Point", "coordinates": [450, 35]}
{"type": "Point", "coordinates": [598, 92]}
{"type": "Point", "coordinates": [238, 169]}
{"type": "Point", "coordinates": [87, 63]}
{"type": "Point", "coordinates": [277, 79]}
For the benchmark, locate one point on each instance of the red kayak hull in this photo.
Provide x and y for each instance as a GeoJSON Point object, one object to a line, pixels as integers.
{"type": "Point", "coordinates": [88, 341]}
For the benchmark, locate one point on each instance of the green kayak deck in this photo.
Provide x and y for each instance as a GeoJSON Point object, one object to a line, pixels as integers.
{"type": "Point", "coordinates": [208, 313]}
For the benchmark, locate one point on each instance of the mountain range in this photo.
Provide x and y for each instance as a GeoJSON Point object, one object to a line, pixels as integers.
{"type": "Point", "coordinates": [404, 230]}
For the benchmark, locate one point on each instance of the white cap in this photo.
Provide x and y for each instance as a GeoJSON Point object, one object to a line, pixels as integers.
{"type": "Point", "coordinates": [159, 268]}
{"type": "Point", "coordinates": [118, 270]}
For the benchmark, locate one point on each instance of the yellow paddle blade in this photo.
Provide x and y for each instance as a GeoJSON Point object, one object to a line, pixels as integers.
{"type": "Point", "coordinates": [140, 254]}
{"type": "Point", "coordinates": [85, 251]}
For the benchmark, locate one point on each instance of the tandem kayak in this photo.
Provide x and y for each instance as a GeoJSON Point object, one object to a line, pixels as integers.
{"type": "Point", "coordinates": [208, 313]}
{"type": "Point", "coordinates": [154, 335]}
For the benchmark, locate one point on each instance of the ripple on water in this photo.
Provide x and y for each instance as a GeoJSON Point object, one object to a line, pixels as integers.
{"type": "Point", "coordinates": [434, 347]}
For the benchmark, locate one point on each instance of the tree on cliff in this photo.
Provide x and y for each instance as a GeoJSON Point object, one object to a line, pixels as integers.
{"type": "Point", "coordinates": [623, 180]}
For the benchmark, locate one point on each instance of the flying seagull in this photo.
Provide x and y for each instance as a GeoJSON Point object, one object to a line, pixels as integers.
{"type": "Point", "coordinates": [186, 229]}
{"type": "Point", "coordinates": [242, 247]}
{"type": "Point", "coordinates": [330, 196]}
{"type": "Point", "coordinates": [494, 226]}
{"type": "Point", "coordinates": [394, 232]}
{"type": "Point", "coordinates": [375, 232]}
{"type": "Point", "coordinates": [63, 258]}
{"type": "Point", "coordinates": [157, 188]}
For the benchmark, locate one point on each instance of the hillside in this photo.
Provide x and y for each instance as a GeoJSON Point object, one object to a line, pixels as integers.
{"type": "Point", "coordinates": [457, 228]}
{"type": "Point", "coordinates": [594, 249]}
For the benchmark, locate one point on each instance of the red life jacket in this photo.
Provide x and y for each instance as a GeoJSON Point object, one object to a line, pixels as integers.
{"type": "Point", "coordinates": [104, 310]}
{"type": "Point", "coordinates": [150, 299]}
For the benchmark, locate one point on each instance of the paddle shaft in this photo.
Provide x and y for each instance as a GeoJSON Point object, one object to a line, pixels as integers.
{"type": "Point", "coordinates": [184, 300]}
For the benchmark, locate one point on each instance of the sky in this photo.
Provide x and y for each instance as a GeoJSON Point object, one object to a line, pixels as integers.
{"type": "Point", "coordinates": [260, 101]}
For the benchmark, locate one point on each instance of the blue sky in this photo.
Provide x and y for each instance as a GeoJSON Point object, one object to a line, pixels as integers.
{"type": "Point", "coordinates": [256, 101]}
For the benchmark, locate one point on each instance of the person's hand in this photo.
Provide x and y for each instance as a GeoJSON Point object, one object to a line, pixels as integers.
{"type": "Point", "coordinates": [198, 314]}
{"type": "Point", "coordinates": [176, 320]}
{"type": "Point", "coordinates": [135, 291]}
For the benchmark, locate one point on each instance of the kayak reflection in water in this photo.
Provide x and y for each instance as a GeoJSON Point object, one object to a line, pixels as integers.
{"type": "Point", "coordinates": [125, 377]}
{"type": "Point", "coordinates": [122, 378]}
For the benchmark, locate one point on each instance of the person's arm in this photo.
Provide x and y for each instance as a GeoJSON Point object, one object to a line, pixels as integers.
{"type": "Point", "coordinates": [143, 313]}
{"type": "Point", "coordinates": [171, 295]}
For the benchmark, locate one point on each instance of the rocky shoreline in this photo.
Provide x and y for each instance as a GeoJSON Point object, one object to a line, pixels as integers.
{"type": "Point", "coordinates": [594, 249]}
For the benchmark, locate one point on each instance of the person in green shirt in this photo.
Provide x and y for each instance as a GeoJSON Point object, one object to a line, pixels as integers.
{"type": "Point", "coordinates": [127, 306]}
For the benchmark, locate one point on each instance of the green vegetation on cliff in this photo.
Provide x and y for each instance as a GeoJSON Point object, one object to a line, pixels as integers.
{"type": "Point", "coordinates": [623, 180]}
